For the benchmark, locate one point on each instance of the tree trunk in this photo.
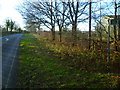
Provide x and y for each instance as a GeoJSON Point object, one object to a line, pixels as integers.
{"type": "Point", "coordinates": [53, 34]}
{"type": "Point", "coordinates": [115, 37]}
{"type": "Point", "coordinates": [100, 29]}
{"type": "Point", "coordinates": [90, 24]}
{"type": "Point", "coordinates": [74, 32]}
{"type": "Point", "coordinates": [115, 33]}
{"type": "Point", "coordinates": [119, 31]}
{"type": "Point", "coordinates": [7, 28]}
{"type": "Point", "coordinates": [11, 31]}
{"type": "Point", "coordinates": [60, 33]}
{"type": "Point", "coordinates": [100, 34]}
{"type": "Point", "coordinates": [52, 22]}
{"type": "Point", "coordinates": [118, 27]}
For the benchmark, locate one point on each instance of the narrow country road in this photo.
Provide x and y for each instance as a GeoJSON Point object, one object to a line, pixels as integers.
{"type": "Point", "coordinates": [10, 50]}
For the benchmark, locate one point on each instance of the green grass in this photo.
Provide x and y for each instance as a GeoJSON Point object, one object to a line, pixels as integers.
{"type": "Point", "coordinates": [6, 34]}
{"type": "Point", "coordinates": [40, 69]}
{"type": "Point", "coordinates": [27, 35]}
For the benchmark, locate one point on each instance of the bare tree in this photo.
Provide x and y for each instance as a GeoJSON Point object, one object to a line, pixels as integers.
{"type": "Point", "coordinates": [60, 17]}
{"type": "Point", "coordinates": [52, 18]}
{"type": "Point", "coordinates": [76, 13]}
{"type": "Point", "coordinates": [7, 24]}
{"type": "Point", "coordinates": [40, 12]}
{"type": "Point", "coordinates": [12, 23]}
{"type": "Point", "coordinates": [19, 29]}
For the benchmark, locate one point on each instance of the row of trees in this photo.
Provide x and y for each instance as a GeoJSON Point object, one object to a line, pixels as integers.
{"type": "Point", "coordinates": [11, 25]}
{"type": "Point", "coordinates": [62, 14]}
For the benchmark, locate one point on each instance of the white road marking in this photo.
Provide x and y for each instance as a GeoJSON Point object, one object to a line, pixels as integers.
{"type": "Point", "coordinates": [6, 39]}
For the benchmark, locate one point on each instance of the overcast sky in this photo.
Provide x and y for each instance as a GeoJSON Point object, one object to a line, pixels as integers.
{"type": "Point", "coordinates": [8, 10]}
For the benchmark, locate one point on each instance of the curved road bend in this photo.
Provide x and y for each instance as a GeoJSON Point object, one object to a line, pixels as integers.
{"type": "Point", "coordinates": [10, 45]}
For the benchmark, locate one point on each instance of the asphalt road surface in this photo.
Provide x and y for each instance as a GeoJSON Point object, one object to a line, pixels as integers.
{"type": "Point", "coordinates": [10, 50]}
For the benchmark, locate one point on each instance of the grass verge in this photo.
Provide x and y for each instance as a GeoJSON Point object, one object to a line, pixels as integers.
{"type": "Point", "coordinates": [4, 35]}
{"type": "Point", "coordinates": [27, 35]}
{"type": "Point", "coordinates": [39, 68]}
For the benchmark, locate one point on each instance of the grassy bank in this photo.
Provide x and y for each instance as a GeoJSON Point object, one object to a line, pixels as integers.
{"type": "Point", "coordinates": [7, 33]}
{"type": "Point", "coordinates": [45, 65]}
{"type": "Point", "coordinates": [27, 35]}
{"type": "Point", "coordinates": [4, 35]}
